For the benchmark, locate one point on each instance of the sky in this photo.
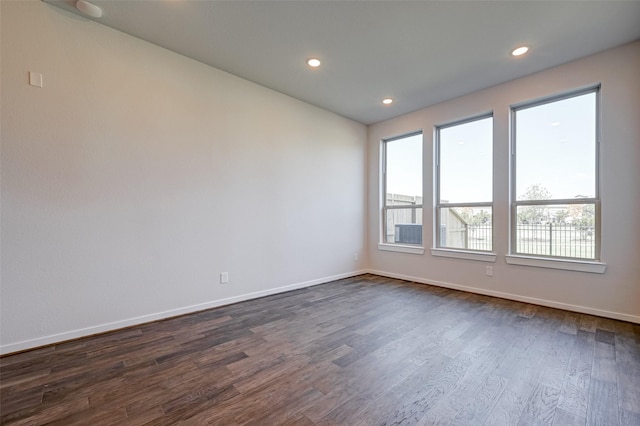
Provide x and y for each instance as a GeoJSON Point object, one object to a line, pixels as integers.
{"type": "Point", "coordinates": [466, 162]}
{"type": "Point", "coordinates": [404, 166]}
{"type": "Point", "coordinates": [555, 148]}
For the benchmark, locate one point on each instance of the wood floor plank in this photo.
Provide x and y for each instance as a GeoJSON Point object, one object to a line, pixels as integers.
{"type": "Point", "coordinates": [574, 395]}
{"type": "Point", "coordinates": [366, 350]}
{"type": "Point", "coordinates": [478, 406]}
{"type": "Point", "coordinates": [628, 385]}
{"type": "Point", "coordinates": [33, 415]}
{"type": "Point", "coordinates": [628, 418]}
{"type": "Point", "coordinates": [604, 362]}
{"type": "Point", "coordinates": [91, 415]}
{"type": "Point", "coordinates": [359, 397]}
{"type": "Point", "coordinates": [570, 323]}
{"type": "Point", "coordinates": [565, 418]}
{"type": "Point", "coordinates": [603, 403]}
{"type": "Point", "coordinates": [511, 403]}
{"type": "Point", "coordinates": [442, 413]}
{"type": "Point", "coordinates": [541, 407]}
{"type": "Point", "coordinates": [421, 391]}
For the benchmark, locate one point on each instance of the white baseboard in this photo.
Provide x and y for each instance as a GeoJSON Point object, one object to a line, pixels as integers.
{"type": "Point", "coordinates": [516, 297]}
{"type": "Point", "coordinates": [102, 328]}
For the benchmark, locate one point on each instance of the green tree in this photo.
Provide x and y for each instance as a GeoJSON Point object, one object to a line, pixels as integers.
{"type": "Point", "coordinates": [562, 215]}
{"type": "Point", "coordinates": [480, 218]}
{"type": "Point", "coordinates": [534, 214]}
{"type": "Point", "coordinates": [536, 192]}
{"type": "Point", "coordinates": [587, 216]}
{"type": "Point", "coordinates": [473, 218]}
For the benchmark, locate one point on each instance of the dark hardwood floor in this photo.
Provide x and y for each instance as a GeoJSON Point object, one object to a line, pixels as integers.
{"type": "Point", "coordinates": [361, 351]}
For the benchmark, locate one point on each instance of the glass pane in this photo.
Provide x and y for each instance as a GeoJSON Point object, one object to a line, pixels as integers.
{"type": "Point", "coordinates": [556, 230]}
{"type": "Point", "coordinates": [466, 162]}
{"type": "Point", "coordinates": [556, 150]}
{"type": "Point", "coordinates": [403, 226]}
{"type": "Point", "coordinates": [466, 228]}
{"type": "Point", "coordinates": [404, 167]}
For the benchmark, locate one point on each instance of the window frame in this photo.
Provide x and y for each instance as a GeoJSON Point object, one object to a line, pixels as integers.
{"type": "Point", "coordinates": [439, 249]}
{"type": "Point", "coordinates": [393, 246]}
{"type": "Point", "coordinates": [554, 261]}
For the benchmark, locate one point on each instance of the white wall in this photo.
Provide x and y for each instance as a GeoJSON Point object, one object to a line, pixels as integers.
{"type": "Point", "coordinates": [135, 176]}
{"type": "Point", "coordinates": [616, 293]}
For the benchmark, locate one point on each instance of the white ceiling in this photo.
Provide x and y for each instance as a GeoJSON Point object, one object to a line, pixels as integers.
{"type": "Point", "coordinates": [419, 53]}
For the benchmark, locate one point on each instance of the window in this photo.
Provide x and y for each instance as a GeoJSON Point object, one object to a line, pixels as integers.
{"type": "Point", "coordinates": [402, 189]}
{"type": "Point", "coordinates": [464, 186]}
{"type": "Point", "coordinates": [555, 200]}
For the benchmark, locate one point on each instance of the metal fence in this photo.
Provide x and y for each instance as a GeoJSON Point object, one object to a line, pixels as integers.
{"type": "Point", "coordinates": [556, 239]}
{"type": "Point", "coordinates": [479, 237]}
{"type": "Point", "coordinates": [570, 240]}
{"type": "Point", "coordinates": [547, 239]}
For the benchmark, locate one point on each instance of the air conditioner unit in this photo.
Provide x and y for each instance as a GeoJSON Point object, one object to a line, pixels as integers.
{"type": "Point", "coordinates": [408, 233]}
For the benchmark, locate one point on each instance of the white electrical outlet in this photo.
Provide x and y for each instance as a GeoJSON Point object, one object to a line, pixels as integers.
{"type": "Point", "coordinates": [35, 79]}
{"type": "Point", "coordinates": [356, 255]}
{"type": "Point", "coordinates": [489, 271]}
{"type": "Point", "coordinates": [224, 277]}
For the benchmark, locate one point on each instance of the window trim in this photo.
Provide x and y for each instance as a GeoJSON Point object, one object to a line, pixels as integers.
{"type": "Point", "coordinates": [482, 256]}
{"type": "Point", "coordinates": [461, 253]}
{"type": "Point", "coordinates": [401, 248]}
{"type": "Point", "coordinates": [383, 244]}
{"type": "Point", "coordinates": [567, 264]}
{"type": "Point", "coordinates": [549, 261]}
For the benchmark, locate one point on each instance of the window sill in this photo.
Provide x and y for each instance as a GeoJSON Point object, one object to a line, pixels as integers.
{"type": "Point", "coordinates": [401, 249]}
{"type": "Point", "coordinates": [462, 254]}
{"type": "Point", "coordinates": [567, 265]}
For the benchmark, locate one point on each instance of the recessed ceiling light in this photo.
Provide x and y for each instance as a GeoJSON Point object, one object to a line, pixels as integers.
{"type": "Point", "coordinates": [520, 51]}
{"type": "Point", "coordinates": [313, 62]}
{"type": "Point", "coordinates": [89, 9]}
{"type": "Point", "coordinates": [387, 101]}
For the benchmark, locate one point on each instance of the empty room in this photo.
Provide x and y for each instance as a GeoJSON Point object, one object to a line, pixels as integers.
{"type": "Point", "coordinates": [319, 212]}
